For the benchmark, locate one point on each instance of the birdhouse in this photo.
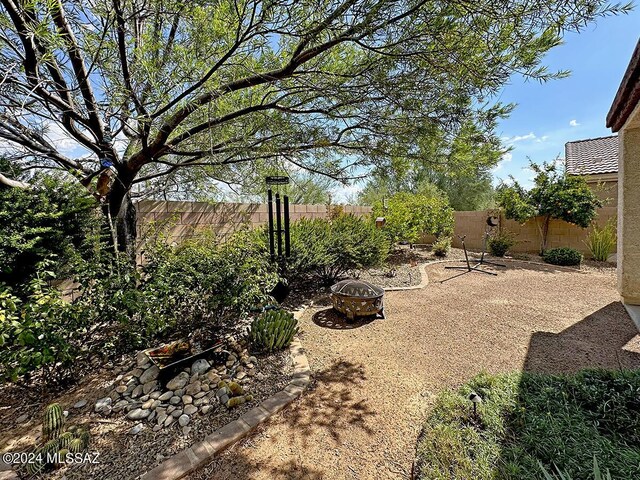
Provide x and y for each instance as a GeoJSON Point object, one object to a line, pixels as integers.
{"type": "Point", "coordinates": [380, 221]}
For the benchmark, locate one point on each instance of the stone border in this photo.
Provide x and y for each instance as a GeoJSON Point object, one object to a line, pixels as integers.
{"type": "Point", "coordinates": [201, 453]}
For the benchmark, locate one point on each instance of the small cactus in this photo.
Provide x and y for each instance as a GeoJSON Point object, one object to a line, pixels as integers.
{"type": "Point", "coordinates": [236, 389]}
{"type": "Point", "coordinates": [76, 445]}
{"type": "Point", "coordinates": [65, 439]}
{"type": "Point", "coordinates": [235, 401]}
{"type": "Point", "coordinates": [53, 421]}
{"type": "Point", "coordinates": [273, 330]}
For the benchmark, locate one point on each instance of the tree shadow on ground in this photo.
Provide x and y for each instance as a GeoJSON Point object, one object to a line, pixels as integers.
{"type": "Point", "coordinates": [597, 341]}
{"type": "Point", "coordinates": [330, 405]}
{"type": "Point", "coordinates": [329, 318]}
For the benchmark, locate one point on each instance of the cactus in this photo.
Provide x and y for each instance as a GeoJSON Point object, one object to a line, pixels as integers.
{"type": "Point", "coordinates": [85, 437]}
{"type": "Point", "coordinates": [76, 445]}
{"type": "Point", "coordinates": [273, 330]}
{"type": "Point", "coordinates": [64, 439]}
{"type": "Point", "coordinates": [235, 401]}
{"type": "Point", "coordinates": [53, 421]}
{"type": "Point", "coordinates": [37, 466]}
{"type": "Point", "coordinates": [236, 389]}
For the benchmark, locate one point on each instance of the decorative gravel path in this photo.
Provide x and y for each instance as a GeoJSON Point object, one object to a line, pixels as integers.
{"type": "Point", "coordinates": [374, 381]}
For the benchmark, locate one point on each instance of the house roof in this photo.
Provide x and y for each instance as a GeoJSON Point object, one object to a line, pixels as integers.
{"type": "Point", "coordinates": [628, 95]}
{"type": "Point", "coordinates": [593, 156]}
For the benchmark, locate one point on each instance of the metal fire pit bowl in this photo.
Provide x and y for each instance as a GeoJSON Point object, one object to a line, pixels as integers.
{"type": "Point", "coordinates": [355, 298]}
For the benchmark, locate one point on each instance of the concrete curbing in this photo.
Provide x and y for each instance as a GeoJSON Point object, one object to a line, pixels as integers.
{"type": "Point", "coordinates": [199, 454]}
{"type": "Point", "coordinates": [423, 282]}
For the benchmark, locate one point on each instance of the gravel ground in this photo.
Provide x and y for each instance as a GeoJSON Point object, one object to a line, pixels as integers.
{"type": "Point", "coordinates": [123, 456]}
{"type": "Point", "coordinates": [374, 381]}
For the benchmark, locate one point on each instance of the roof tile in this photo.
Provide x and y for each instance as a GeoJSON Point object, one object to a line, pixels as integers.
{"type": "Point", "coordinates": [592, 156]}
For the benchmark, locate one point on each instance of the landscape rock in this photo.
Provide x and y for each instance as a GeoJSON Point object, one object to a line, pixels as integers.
{"type": "Point", "coordinates": [175, 400]}
{"type": "Point", "coordinates": [168, 421]}
{"type": "Point", "coordinates": [176, 413]}
{"type": "Point", "coordinates": [136, 429]}
{"type": "Point", "coordinates": [187, 399]}
{"type": "Point", "coordinates": [206, 409]}
{"type": "Point", "coordinates": [190, 409]}
{"type": "Point", "coordinates": [200, 366]}
{"type": "Point", "coordinates": [179, 381]}
{"type": "Point", "coordinates": [213, 377]}
{"type": "Point", "coordinates": [136, 392]}
{"type": "Point", "coordinates": [121, 388]}
{"type": "Point", "coordinates": [142, 359]}
{"type": "Point", "coordinates": [241, 375]}
{"type": "Point", "coordinates": [161, 418]}
{"type": "Point", "coordinates": [80, 403]}
{"type": "Point", "coordinates": [184, 420]}
{"type": "Point", "coordinates": [150, 386]}
{"type": "Point", "coordinates": [193, 388]}
{"type": "Point", "coordinates": [150, 374]}
{"type": "Point", "coordinates": [165, 396]}
{"type": "Point", "coordinates": [137, 372]}
{"type": "Point", "coordinates": [155, 395]}
{"type": "Point", "coordinates": [22, 418]}
{"type": "Point", "coordinates": [103, 404]}
{"type": "Point", "coordinates": [138, 414]}
{"type": "Point", "coordinates": [186, 430]}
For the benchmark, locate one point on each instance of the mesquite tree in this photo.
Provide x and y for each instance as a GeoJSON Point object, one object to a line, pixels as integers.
{"type": "Point", "coordinates": [554, 195]}
{"type": "Point", "coordinates": [148, 89]}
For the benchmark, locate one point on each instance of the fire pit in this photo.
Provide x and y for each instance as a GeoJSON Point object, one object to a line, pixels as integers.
{"type": "Point", "coordinates": [355, 298]}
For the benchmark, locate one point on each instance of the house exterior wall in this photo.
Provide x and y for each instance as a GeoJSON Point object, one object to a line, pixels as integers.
{"type": "Point", "coordinates": [629, 210]}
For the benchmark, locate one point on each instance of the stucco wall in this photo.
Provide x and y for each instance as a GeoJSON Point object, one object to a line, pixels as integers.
{"type": "Point", "coordinates": [186, 219]}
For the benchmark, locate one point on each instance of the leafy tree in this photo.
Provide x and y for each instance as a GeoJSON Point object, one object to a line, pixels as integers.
{"type": "Point", "coordinates": [127, 95]}
{"type": "Point", "coordinates": [409, 215]}
{"type": "Point", "coordinates": [554, 195]}
{"type": "Point", "coordinates": [459, 167]}
{"type": "Point", "coordinates": [48, 222]}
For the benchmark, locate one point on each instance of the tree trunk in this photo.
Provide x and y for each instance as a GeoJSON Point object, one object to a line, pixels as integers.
{"type": "Point", "coordinates": [545, 231]}
{"type": "Point", "coordinates": [121, 213]}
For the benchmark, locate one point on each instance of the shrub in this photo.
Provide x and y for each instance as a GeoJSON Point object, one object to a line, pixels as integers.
{"type": "Point", "coordinates": [410, 215]}
{"type": "Point", "coordinates": [49, 222]}
{"type": "Point", "coordinates": [273, 330]}
{"type": "Point", "coordinates": [562, 256]}
{"type": "Point", "coordinates": [500, 242]}
{"type": "Point", "coordinates": [43, 332]}
{"type": "Point", "coordinates": [331, 248]}
{"type": "Point", "coordinates": [602, 241]}
{"type": "Point", "coordinates": [441, 247]}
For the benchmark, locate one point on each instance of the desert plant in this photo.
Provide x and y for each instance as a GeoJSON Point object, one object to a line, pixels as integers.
{"type": "Point", "coordinates": [441, 247]}
{"type": "Point", "coordinates": [57, 443]}
{"type": "Point", "coordinates": [564, 256]}
{"type": "Point", "coordinates": [273, 330]}
{"type": "Point", "coordinates": [597, 473]}
{"type": "Point", "coordinates": [410, 215]}
{"type": "Point", "coordinates": [602, 241]}
{"type": "Point", "coordinates": [330, 248]}
{"type": "Point", "coordinates": [500, 242]}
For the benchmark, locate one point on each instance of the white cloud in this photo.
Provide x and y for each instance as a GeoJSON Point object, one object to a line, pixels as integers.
{"type": "Point", "coordinates": [574, 123]}
{"type": "Point", "coordinates": [506, 157]}
{"type": "Point", "coordinates": [520, 138]}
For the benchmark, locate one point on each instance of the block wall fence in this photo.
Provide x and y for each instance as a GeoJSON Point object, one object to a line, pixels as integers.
{"type": "Point", "coordinates": [184, 220]}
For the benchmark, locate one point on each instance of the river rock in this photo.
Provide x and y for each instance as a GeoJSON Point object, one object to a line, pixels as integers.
{"type": "Point", "coordinates": [155, 395]}
{"type": "Point", "coordinates": [103, 404]}
{"type": "Point", "coordinates": [190, 409]}
{"type": "Point", "coordinates": [200, 401]}
{"type": "Point", "coordinates": [200, 366]}
{"type": "Point", "coordinates": [121, 389]}
{"type": "Point", "coordinates": [150, 386]}
{"type": "Point", "coordinates": [176, 413]}
{"type": "Point", "coordinates": [138, 414]}
{"type": "Point", "coordinates": [205, 409]}
{"type": "Point", "coordinates": [168, 421]}
{"type": "Point", "coordinates": [136, 372]}
{"type": "Point", "coordinates": [184, 420]}
{"type": "Point", "coordinates": [136, 429]}
{"type": "Point", "coordinates": [179, 381]}
{"type": "Point", "coordinates": [165, 396]}
{"type": "Point", "coordinates": [213, 377]}
{"type": "Point", "coordinates": [175, 400]}
{"type": "Point", "coordinates": [150, 374]}
{"type": "Point", "coordinates": [187, 399]}
{"type": "Point", "coordinates": [142, 359]}
{"type": "Point", "coordinates": [136, 392]}
{"type": "Point", "coordinates": [148, 404]}
{"type": "Point", "coordinates": [161, 418]}
{"type": "Point", "coordinates": [193, 388]}
{"type": "Point", "coordinates": [80, 403]}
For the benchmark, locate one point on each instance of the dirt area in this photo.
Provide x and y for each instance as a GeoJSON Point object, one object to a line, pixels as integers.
{"type": "Point", "coordinates": [374, 381]}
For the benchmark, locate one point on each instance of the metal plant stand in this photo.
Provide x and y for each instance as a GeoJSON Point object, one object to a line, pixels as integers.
{"type": "Point", "coordinates": [468, 268]}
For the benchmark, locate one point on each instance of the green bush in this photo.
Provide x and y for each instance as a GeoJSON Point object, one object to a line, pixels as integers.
{"type": "Point", "coordinates": [331, 248]}
{"type": "Point", "coordinates": [50, 221]}
{"type": "Point", "coordinates": [602, 241]}
{"type": "Point", "coordinates": [441, 247]}
{"type": "Point", "coordinates": [528, 420]}
{"type": "Point", "coordinates": [273, 330]}
{"type": "Point", "coordinates": [410, 215]}
{"type": "Point", "coordinates": [562, 256]}
{"type": "Point", "coordinates": [500, 242]}
{"type": "Point", "coordinates": [42, 333]}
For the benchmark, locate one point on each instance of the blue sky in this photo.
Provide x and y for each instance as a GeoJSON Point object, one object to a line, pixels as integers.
{"type": "Point", "coordinates": [549, 115]}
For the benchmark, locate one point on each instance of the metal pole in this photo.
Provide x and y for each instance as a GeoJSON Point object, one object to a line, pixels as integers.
{"type": "Point", "coordinates": [271, 244]}
{"type": "Point", "coordinates": [279, 225]}
{"type": "Point", "coordinates": [287, 238]}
